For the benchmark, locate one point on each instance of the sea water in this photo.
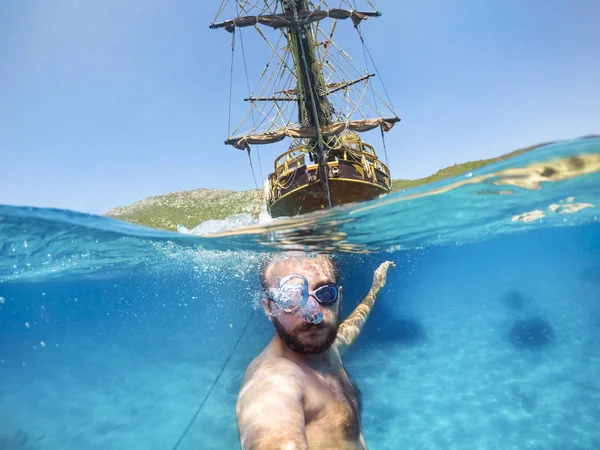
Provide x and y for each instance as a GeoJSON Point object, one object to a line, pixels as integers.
{"type": "Point", "coordinates": [486, 335]}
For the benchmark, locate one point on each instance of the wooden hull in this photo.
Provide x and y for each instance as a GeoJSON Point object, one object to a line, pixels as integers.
{"type": "Point", "coordinates": [301, 192]}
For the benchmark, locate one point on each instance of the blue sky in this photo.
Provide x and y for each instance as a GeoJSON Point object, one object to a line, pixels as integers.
{"type": "Point", "coordinates": [103, 103]}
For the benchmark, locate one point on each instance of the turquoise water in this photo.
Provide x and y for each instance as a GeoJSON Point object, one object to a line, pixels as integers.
{"type": "Point", "coordinates": [486, 336]}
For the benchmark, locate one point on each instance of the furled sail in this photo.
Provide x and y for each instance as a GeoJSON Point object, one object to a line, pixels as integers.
{"type": "Point", "coordinates": [243, 142]}
{"type": "Point", "coordinates": [286, 19]}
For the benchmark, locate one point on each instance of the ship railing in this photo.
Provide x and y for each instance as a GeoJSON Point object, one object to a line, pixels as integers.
{"type": "Point", "coordinates": [368, 153]}
{"type": "Point", "coordinates": [290, 160]}
{"type": "Point", "coordinates": [296, 157]}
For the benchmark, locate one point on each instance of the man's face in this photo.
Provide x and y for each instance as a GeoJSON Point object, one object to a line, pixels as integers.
{"type": "Point", "coordinates": [299, 335]}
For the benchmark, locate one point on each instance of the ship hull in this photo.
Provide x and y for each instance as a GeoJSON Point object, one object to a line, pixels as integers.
{"type": "Point", "coordinates": [301, 192]}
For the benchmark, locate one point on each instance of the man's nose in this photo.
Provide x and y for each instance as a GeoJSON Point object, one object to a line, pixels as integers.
{"type": "Point", "coordinates": [312, 313]}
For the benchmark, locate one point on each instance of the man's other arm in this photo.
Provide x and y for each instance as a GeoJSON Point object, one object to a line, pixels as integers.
{"type": "Point", "coordinates": [353, 325]}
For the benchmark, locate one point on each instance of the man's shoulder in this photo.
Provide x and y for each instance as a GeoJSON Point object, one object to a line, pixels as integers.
{"type": "Point", "coordinates": [268, 365]}
{"type": "Point", "coordinates": [270, 376]}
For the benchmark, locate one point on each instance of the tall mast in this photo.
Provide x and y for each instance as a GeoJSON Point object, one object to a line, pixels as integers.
{"type": "Point", "coordinates": [314, 109]}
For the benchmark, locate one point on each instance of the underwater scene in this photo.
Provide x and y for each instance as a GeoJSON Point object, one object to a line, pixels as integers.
{"type": "Point", "coordinates": [486, 335]}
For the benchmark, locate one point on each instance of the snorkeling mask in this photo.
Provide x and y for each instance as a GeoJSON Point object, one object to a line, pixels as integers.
{"type": "Point", "coordinates": [292, 297]}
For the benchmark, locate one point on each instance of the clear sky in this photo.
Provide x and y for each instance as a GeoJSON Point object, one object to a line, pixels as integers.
{"type": "Point", "coordinates": [103, 103]}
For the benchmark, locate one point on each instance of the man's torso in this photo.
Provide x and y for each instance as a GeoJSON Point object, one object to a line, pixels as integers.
{"type": "Point", "coordinates": [332, 404]}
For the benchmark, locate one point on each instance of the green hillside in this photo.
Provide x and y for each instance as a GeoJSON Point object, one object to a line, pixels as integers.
{"type": "Point", "coordinates": [457, 169]}
{"type": "Point", "coordinates": [188, 208]}
{"type": "Point", "coordinates": [193, 207]}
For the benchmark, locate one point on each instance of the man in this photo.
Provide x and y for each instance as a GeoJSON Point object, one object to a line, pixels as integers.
{"type": "Point", "coordinates": [296, 393]}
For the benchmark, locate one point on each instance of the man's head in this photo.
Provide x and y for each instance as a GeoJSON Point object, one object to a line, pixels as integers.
{"type": "Point", "coordinates": [297, 333]}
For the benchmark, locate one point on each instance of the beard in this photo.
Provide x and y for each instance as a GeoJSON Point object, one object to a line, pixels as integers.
{"type": "Point", "coordinates": [308, 345]}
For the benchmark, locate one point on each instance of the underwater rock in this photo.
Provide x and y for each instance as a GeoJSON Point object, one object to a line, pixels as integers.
{"type": "Point", "coordinates": [13, 440]}
{"type": "Point", "coordinates": [535, 333]}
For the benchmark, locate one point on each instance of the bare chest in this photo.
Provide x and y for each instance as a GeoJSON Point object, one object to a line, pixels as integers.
{"type": "Point", "coordinates": [334, 402]}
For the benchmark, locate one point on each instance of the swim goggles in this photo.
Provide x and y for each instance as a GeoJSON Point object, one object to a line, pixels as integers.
{"type": "Point", "coordinates": [292, 293]}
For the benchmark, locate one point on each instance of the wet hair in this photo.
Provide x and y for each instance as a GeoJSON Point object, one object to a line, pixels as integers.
{"type": "Point", "coordinates": [274, 259]}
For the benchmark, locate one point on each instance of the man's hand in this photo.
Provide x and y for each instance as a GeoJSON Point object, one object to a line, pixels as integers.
{"type": "Point", "coordinates": [380, 276]}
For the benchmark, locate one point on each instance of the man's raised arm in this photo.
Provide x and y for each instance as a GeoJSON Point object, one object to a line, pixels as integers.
{"type": "Point", "coordinates": [352, 326]}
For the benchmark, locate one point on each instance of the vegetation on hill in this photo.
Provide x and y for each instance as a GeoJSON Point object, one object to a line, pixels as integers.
{"type": "Point", "coordinates": [457, 169]}
{"type": "Point", "coordinates": [190, 208]}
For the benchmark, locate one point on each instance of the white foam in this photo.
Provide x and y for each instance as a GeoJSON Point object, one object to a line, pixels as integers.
{"type": "Point", "coordinates": [230, 223]}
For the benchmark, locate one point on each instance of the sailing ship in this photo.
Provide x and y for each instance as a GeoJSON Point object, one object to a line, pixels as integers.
{"type": "Point", "coordinates": [311, 92]}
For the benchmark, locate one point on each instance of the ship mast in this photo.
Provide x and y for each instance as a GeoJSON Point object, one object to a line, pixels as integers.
{"type": "Point", "coordinates": [314, 109]}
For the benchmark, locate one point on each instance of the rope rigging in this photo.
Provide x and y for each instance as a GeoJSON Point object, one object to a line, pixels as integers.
{"type": "Point", "coordinates": [337, 66]}
{"type": "Point", "coordinates": [250, 93]}
{"type": "Point", "coordinates": [231, 94]}
{"type": "Point", "coordinates": [231, 81]}
{"type": "Point", "coordinates": [210, 390]}
{"type": "Point", "coordinates": [365, 50]}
